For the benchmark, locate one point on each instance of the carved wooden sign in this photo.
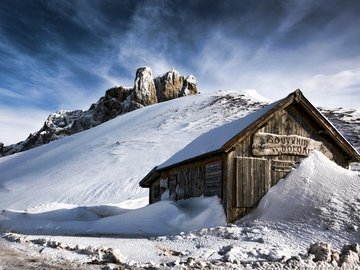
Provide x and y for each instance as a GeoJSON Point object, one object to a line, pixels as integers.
{"type": "Point", "coordinates": [267, 144]}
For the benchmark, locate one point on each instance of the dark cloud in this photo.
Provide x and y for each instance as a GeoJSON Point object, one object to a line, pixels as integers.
{"type": "Point", "coordinates": [77, 26]}
{"type": "Point", "coordinates": [54, 50]}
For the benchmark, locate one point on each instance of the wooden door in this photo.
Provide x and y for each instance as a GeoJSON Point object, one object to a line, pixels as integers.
{"type": "Point", "coordinates": [253, 180]}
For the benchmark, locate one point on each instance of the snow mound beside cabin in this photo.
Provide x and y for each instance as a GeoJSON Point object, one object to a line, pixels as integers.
{"type": "Point", "coordinates": [317, 201]}
{"type": "Point", "coordinates": [161, 218]}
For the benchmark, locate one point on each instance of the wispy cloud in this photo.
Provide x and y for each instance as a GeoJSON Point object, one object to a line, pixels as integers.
{"type": "Point", "coordinates": [146, 43]}
{"type": "Point", "coordinates": [322, 86]}
{"type": "Point", "coordinates": [295, 11]}
{"type": "Point", "coordinates": [5, 93]}
{"type": "Point", "coordinates": [65, 54]}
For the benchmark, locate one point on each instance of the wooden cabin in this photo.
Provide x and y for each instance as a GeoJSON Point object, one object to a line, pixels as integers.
{"type": "Point", "coordinates": [240, 161]}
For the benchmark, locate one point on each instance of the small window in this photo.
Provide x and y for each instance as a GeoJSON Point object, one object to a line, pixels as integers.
{"type": "Point", "coordinates": [156, 191]}
{"type": "Point", "coordinates": [213, 179]}
{"type": "Point", "coordinates": [172, 186]}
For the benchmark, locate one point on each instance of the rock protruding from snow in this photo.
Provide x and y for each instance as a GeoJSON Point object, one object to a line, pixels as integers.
{"type": "Point", "coordinates": [347, 258]}
{"type": "Point", "coordinates": [108, 107]}
{"type": "Point", "coordinates": [172, 85]}
{"type": "Point", "coordinates": [322, 252]}
{"type": "Point", "coordinates": [144, 87]}
{"type": "Point", "coordinates": [350, 255]}
{"type": "Point", "coordinates": [117, 100]}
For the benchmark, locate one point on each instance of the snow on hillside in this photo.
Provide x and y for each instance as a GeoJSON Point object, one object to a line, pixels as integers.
{"type": "Point", "coordinates": [87, 185]}
{"type": "Point", "coordinates": [348, 122]}
{"type": "Point", "coordinates": [104, 165]}
{"type": "Point", "coordinates": [318, 202]}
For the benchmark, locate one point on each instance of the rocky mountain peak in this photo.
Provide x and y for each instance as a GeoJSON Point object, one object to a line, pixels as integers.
{"type": "Point", "coordinates": [172, 85]}
{"type": "Point", "coordinates": [117, 100]}
{"type": "Point", "coordinates": [144, 87]}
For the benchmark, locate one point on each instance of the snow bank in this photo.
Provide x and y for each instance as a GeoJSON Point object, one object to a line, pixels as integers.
{"type": "Point", "coordinates": [318, 200]}
{"type": "Point", "coordinates": [165, 217]}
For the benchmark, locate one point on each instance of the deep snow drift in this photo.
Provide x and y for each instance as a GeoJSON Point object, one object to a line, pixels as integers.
{"type": "Point", "coordinates": [317, 196]}
{"type": "Point", "coordinates": [162, 218]}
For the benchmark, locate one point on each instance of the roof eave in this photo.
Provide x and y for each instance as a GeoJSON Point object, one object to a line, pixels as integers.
{"type": "Point", "coordinates": [149, 178]}
{"type": "Point", "coordinates": [261, 121]}
{"type": "Point", "coordinates": [335, 134]}
{"type": "Point", "coordinates": [298, 97]}
{"type": "Point", "coordinates": [212, 153]}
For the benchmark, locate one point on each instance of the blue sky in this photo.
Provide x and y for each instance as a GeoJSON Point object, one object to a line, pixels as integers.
{"type": "Point", "coordinates": [60, 54]}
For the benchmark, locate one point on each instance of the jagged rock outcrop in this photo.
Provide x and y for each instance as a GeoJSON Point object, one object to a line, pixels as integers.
{"type": "Point", "coordinates": [172, 85]}
{"type": "Point", "coordinates": [144, 92]}
{"type": "Point", "coordinates": [116, 101]}
{"type": "Point", "coordinates": [109, 106]}
{"type": "Point", "coordinates": [325, 256]}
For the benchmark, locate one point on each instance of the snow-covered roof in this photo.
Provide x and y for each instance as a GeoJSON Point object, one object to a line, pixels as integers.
{"type": "Point", "coordinates": [216, 138]}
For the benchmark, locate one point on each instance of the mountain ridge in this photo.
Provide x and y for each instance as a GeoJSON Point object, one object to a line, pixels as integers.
{"type": "Point", "coordinates": [116, 101]}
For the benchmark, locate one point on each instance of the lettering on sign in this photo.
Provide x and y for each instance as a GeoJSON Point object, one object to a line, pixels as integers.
{"type": "Point", "coordinates": [267, 144]}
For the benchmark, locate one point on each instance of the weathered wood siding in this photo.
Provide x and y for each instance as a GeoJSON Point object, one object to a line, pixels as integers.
{"type": "Point", "coordinates": [245, 176]}
{"type": "Point", "coordinates": [213, 178]}
{"type": "Point", "coordinates": [253, 180]}
{"type": "Point", "coordinates": [154, 192]}
{"type": "Point", "coordinates": [291, 121]}
{"type": "Point", "coordinates": [203, 177]}
{"type": "Point", "coordinates": [239, 177]}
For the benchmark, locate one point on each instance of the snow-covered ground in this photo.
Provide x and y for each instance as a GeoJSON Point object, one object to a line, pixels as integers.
{"type": "Point", "coordinates": [77, 200]}
{"type": "Point", "coordinates": [318, 202]}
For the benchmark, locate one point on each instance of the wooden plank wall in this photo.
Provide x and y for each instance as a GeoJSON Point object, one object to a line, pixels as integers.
{"type": "Point", "coordinates": [291, 121]}
{"type": "Point", "coordinates": [190, 179]}
{"type": "Point", "coordinates": [154, 192]}
{"type": "Point", "coordinates": [213, 179]}
{"type": "Point", "coordinates": [240, 194]}
{"type": "Point", "coordinates": [252, 180]}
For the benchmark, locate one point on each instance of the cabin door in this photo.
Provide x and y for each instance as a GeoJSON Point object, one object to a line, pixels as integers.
{"type": "Point", "coordinates": [253, 180]}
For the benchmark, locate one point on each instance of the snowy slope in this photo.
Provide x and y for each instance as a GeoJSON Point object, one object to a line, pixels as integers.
{"type": "Point", "coordinates": [346, 120]}
{"type": "Point", "coordinates": [104, 165]}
